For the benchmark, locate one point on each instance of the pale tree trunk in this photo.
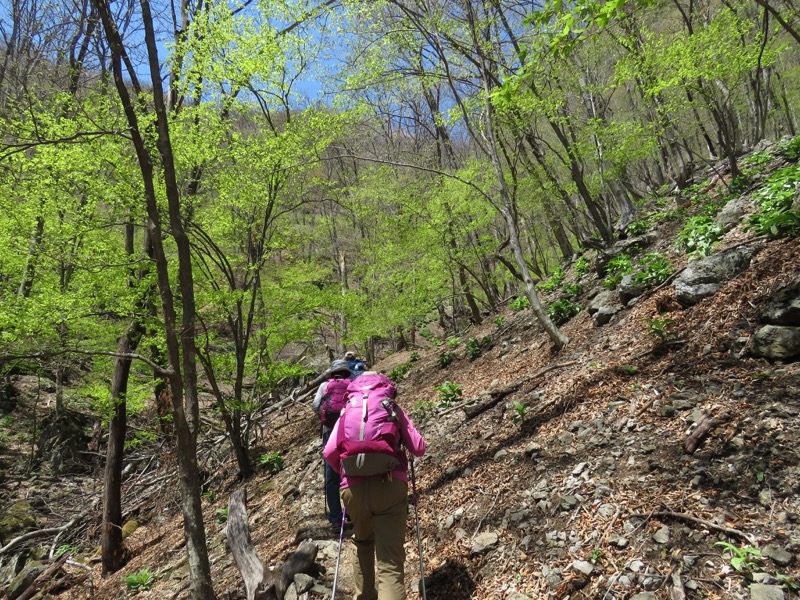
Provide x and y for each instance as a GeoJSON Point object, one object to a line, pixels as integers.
{"type": "Point", "coordinates": [508, 211]}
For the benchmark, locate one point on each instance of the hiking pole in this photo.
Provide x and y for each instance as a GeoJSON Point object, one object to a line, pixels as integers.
{"type": "Point", "coordinates": [324, 474]}
{"type": "Point", "coordinates": [415, 503]}
{"type": "Point", "coordinates": [338, 553]}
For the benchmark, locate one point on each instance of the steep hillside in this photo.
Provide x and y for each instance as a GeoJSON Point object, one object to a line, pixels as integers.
{"type": "Point", "coordinates": [555, 475]}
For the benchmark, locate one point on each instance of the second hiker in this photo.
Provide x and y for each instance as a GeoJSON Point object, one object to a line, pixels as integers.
{"type": "Point", "coordinates": [328, 402]}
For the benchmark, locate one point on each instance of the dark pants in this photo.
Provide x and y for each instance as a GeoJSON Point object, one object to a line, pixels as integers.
{"type": "Point", "coordinates": [332, 482]}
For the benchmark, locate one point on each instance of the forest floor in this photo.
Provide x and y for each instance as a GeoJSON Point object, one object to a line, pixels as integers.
{"type": "Point", "coordinates": [576, 484]}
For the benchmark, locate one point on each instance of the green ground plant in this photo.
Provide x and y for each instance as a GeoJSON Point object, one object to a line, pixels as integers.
{"type": "Point", "coordinates": [140, 581]}
{"type": "Point", "coordinates": [445, 358]}
{"type": "Point", "coordinates": [563, 310]}
{"type": "Point", "coordinates": [553, 282]}
{"type": "Point", "coordinates": [581, 266]}
{"type": "Point", "coordinates": [638, 227]}
{"type": "Point", "coordinates": [659, 327]}
{"type": "Point", "coordinates": [790, 150]}
{"type": "Point", "coordinates": [399, 372]}
{"type": "Point", "coordinates": [775, 216]}
{"type": "Point", "coordinates": [519, 303]}
{"type": "Point", "coordinates": [422, 408]}
{"type": "Point", "coordinates": [520, 412]}
{"type": "Point", "coordinates": [698, 235]}
{"type": "Point", "coordinates": [449, 393]}
{"type": "Point", "coordinates": [475, 347]}
{"type": "Point", "coordinates": [654, 269]}
{"type": "Point", "coordinates": [221, 516]}
{"type": "Point", "coordinates": [616, 269]}
{"type": "Point", "coordinates": [272, 462]}
{"type": "Point", "coordinates": [744, 560]}
{"type": "Point", "coordinates": [572, 290]}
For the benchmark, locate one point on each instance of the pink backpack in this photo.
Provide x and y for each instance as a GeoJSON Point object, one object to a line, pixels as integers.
{"type": "Point", "coordinates": [333, 401]}
{"type": "Point", "coordinates": [369, 437]}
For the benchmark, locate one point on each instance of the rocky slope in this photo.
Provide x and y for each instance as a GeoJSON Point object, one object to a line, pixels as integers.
{"type": "Point", "coordinates": [581, 474]}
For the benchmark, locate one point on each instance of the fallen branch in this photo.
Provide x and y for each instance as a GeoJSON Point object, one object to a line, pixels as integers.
{"type": "Point", "coordinates": [46, 577]}
{"type": "Point", "coordinates": [668, 514]}
{"type": "Point", "coordinates": [495, 396]}
{"type": "Point", "coordinates": [704, 426]}
{"type": "Point", "coordinates": [39, 533]}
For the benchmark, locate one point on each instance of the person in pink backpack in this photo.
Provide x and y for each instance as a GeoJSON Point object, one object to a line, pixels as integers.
{"type": "Point", "coordinates": [367, 447]}
{"type": "Point", "coordinates": [326, 405]}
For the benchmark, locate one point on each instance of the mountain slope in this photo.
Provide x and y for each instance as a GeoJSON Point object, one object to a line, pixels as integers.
{"type": "Point", "coordinates": [576, 482]}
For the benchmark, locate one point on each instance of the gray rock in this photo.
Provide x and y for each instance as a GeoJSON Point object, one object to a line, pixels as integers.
{"type": "Point", "coordinates": [760, 591]}
{"type": "Point", "coordinates": [636, 566]}
{"type": "Point", "coordinates": [533, 449]}
{"type": "Point", "coordinates": [732, 213]}
{"type": "Point", "coordinates": [776, 342]}
{"type": "Point", "coordinates": [568, 502]}
{"type": "Point", "coordinates": [644, 596]}
{"type": "Point", "coordinates": [778, 555]}
{"type": "Point", "coordinates": [630, 288]}
{"type": "Point", "coordinates": [784, 307]}
{"type": "Point", "coordinates": [662, 535]}
{"type": "Point", "coordinates": [704, 277]}
{"type": "Point", "coordinates": [517, 596]}
{"type": "Point", "coordinates": [604, 315]}
{"type": "Point", "coordinates": [606, 510]}
{"type": "Point", "coordinates": [583, 566]}
{"type": "Point", "coordinates": [484, 542]}
{"type": "Point", "coordinates": [22, 582]}
{"type": "Point", "coordinates": [303, 582]}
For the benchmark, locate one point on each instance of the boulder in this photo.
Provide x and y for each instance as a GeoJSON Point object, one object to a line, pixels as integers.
{"type": "Point", "coordinates": [784, 307]}
{"type": "Point", "coordinates": [776, 342]}
{"type": "Point", "coordinates": [704, 277]}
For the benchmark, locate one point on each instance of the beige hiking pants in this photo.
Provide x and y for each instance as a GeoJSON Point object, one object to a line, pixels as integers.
{"type": "Point", "coordinates": [378, 509]}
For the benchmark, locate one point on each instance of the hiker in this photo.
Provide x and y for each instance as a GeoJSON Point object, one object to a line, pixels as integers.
{"type": "Point", "coordinates": [356, 366]}
{"type": "Point", "coordinates": [329, 394]}
{"type": "Point", "coordinates": [377, 504]}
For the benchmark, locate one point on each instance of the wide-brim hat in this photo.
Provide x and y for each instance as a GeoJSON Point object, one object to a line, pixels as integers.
{"type": "Point", "coordinates": [340, 366]}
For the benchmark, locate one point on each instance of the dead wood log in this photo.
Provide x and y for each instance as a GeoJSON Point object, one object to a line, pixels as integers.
{"type": "Point", "coordinates": [704, 426]}
{"type": "Point", "coordinates": [496, 396]}
{"type": "Point", "coordinates": [261, 583]}
{"type": "Point", "coordinates": [237, 531]}
{"type": "Point", "coordinates": [44, 579]}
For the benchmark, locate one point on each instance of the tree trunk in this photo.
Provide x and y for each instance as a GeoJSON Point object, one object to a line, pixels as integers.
{"type": "Point", "coordinates": [181, 351]}
{"type": "Point", "coordinates": [113, 553]}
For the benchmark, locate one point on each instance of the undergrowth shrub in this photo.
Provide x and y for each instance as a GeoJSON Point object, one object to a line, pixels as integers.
{"type": "Point", "coordinates": [775, 216]}
{"type": "Point", "coordinates": [562, 310]}
{"type": "Point", "coordinates": [699, 234]}
{"type": "Point", "coordinates": [655, 269]}
{"type": "Point", "coordinates": [519, 303]}
{"type": "Point", "coordinates": [616, 269]}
